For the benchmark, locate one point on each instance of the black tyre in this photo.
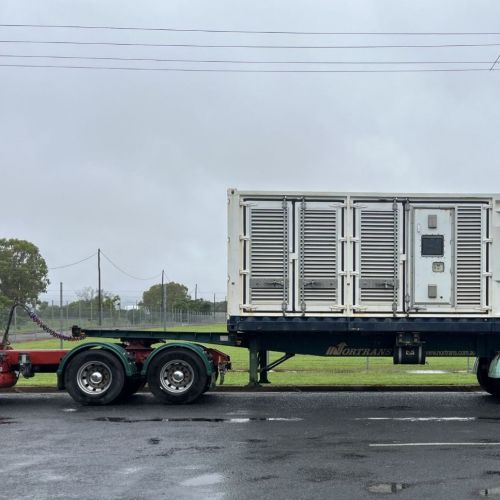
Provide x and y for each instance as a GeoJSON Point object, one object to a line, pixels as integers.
{"type": "Point", "coordinates": [490, 385]}
{"type": "Point", "coordinates": [131, 386]}
{"type": "Point", "coordinates": [211, 381]}
{"type": "Point", "coordinates": [94, 377]}
{"type": "Point", "coordinates": [177, 376]}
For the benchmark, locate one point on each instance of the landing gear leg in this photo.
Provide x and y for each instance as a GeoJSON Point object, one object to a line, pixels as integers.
{"type": "Point", "coordinates": [253, 365]}
{"type": "Point", "coordinates": [263, 362]}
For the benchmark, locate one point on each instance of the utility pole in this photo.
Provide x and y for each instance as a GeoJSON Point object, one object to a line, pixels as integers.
{"type": "Point", "coordinates": [214, 305]}
{"type": "Point", "coordinates": [196, 291]}
{"type": "Point", "coordinates": [99, 285]}
{"type": "Point", "coordinates": [61, 310]}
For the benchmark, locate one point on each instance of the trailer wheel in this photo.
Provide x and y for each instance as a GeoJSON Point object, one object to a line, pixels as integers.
{"type": "Point", "coordinates": [94, 377]}
{"type": "Point", "coordinates": [490, 385]}
{"type": "Point", "coordinates": [177, 376]}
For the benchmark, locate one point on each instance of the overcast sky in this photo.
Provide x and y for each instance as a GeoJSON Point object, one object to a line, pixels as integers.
{"type": "Point", "coordinates": [138, 162]}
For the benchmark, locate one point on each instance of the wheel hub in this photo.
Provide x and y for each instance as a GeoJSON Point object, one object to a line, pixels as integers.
{"type": "Point", "coordinates": [94, 378]}
{"type": "Point", "coordinates": [177, 376]}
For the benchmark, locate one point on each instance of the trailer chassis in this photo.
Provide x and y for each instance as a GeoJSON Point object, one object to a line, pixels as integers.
{"type": "Point", "coordinates": [407, 340]}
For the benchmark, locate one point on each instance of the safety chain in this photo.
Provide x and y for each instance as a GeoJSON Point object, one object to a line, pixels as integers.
{"type": "Point", "coordinates": [33, 316]}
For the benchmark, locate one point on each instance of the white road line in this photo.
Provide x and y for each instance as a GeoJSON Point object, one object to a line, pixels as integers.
{"type": "Point", "coordinates": [391, 445]}
{"type": "Point", "coordinates": [421, 419]}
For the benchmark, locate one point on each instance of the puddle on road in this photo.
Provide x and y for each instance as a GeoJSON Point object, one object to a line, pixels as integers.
{"type": "Point", "coordinates": [387, 488]}
{"type": "Point", "coordinates": [430, 419]}
{"type": "Point", "coordinates": [204, 480]}
{"type": "Point", "coordinates": [495, 491]}
{"type": "Point", "coordinates": [196, 419]}
{"type": "Point", "coordinates": [420, 419]}
{"type": "Point", "coordinates": [204, 449]}
{"type": "Point", "coordinates": [395, 407]}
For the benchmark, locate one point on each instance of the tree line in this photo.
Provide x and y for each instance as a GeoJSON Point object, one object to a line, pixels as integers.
{"type": "Point", "coordinates": [24, 277]}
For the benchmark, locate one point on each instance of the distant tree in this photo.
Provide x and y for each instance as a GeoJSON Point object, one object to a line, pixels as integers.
{"type": "Point", "coordinates": [23, 272]}
{"type": "Point", "coordinates": [87, 295]}
{"type": "Point", "coordinates": [221, 306]}
{"type": "Point", "coordinates": [200, 305]}
{"type": "Point", "coordinates": [177, 296]}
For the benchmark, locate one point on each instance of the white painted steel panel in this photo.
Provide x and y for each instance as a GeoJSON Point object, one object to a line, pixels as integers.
{"type": "Point", "coordinates": [317, 271]}
{"type": "Point", "coordinates": [268, 249]}
{"type": "Point", "coordinates": [433, 257]}
{"type": "Point", "coordinates": [324, 254]}
{"type": "Point", "coordinates": [470, 256]}
{"type": "Point", "coordinates": [378, 248]}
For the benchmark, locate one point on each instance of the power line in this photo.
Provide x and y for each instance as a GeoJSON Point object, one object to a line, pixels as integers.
{"type": "Point", "coordinates": [74, 263]}
{"type": "Point", "coordinates": [125, 272]}
{"type": "Point", "coordinates": [232, 46]}
{"type": "Point", "coordinates": [231, 61]}
{"type": "Point", "coordinates": [494, 64]}
{"type": "Point", "coordinates": [251, 32]}
{"type": "Point", "coordinates": [222, 70]}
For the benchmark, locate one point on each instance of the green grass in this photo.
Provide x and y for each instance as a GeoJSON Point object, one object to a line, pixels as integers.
{"type": "Point", "coordinates": [308, 370]}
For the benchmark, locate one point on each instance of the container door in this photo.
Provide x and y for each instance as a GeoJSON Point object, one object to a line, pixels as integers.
{"type": "Point", "coordinates": [318, 257]}
{"type": "Point", "coordinates": [377, 242]}
{"type": "Point", "coordinates": [268, 255]}
{"type": "Point", "coordinates": [433, 258]}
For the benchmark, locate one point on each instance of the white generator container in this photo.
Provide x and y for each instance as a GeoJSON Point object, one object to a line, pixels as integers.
{"type": "Point", "coordinates": [363, 254]}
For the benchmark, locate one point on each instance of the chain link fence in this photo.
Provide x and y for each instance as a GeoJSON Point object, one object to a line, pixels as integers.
{"type": "Point", "coordinates": [62, 319]}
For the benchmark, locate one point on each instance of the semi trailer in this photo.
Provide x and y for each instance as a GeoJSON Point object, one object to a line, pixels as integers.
{"type": "Point", "coordinates": [408, 276]}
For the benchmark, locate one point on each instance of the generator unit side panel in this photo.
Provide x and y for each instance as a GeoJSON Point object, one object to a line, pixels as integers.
{"type": "Point", "coordinates": [332, 255]}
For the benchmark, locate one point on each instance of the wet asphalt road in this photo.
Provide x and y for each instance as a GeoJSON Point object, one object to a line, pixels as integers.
{"type": "Point", "coordinates": [249, 446]}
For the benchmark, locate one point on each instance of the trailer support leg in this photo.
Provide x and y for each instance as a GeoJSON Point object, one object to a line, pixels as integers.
{"type": "Point", "coordinates": [253, 350]}
{"type": "Point", "coordinates": [263, 362]}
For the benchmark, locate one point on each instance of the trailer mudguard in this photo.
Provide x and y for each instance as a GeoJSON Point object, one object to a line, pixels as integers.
{"type": "Point", "coordinates": [198, 349]}
{"type": "Point", "coordinates": [120, 352]}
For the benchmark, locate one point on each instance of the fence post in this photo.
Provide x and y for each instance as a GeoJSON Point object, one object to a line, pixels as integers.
{"type": "Point", "coordinates": [61, 310]}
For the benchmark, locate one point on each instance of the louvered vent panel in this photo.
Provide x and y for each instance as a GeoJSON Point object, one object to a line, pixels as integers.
{"type": "Point", "coordinates": [469, 255]}
{"type": "Point", "coordinates": [319, 256]}
{"type": "Point", "coordinates": [377, 256]}
{"type": "Point", "coordinates": [267, 255]}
